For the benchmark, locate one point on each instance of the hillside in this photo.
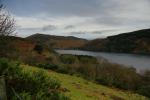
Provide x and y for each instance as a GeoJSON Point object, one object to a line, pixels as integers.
{"type": "Point", "coordinates": [26, 50]}
{"type": "Point", "coordinates": [88, 70]}
{"type": "Point", "coordinates": [79, 89]}
{"type": "Point", "coordinates": [58, 42]}
{"type": "Point", "coordinates": [132, 42]}
{"type": "Point", "coordinates": [32, 83]}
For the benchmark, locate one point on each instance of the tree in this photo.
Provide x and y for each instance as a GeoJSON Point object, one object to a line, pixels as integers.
{"type": "Point", "coordinates": [38, 48]}
{"type": "Point", "coordinates": [7, 27]}
{"type": "Point", "coordinates": [7, 23]}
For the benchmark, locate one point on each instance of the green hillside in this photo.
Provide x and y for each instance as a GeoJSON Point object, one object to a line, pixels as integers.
{"type": "Point", "coordinates": [80, 89]}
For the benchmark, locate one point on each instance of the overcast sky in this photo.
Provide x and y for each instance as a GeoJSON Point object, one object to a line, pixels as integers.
{"type": "Point", "coordinates": [82, 18]}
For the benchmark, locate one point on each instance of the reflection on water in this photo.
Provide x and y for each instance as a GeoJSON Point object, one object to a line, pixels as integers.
{"type": "Point", "coordinates": [140, 62]}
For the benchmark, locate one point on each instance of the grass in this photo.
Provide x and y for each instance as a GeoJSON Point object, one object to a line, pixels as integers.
{"type": "Point", "coordinates": [80, 89]}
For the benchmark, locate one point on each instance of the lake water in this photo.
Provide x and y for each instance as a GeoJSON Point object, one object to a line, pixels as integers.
{"type": "Point", "coordinates": [140, 62]}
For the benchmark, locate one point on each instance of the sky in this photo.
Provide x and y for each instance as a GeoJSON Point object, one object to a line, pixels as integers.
{"type": "Point", "coordinates": [81, 18]}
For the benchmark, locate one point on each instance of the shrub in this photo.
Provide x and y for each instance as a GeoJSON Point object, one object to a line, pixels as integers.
{"type": "Point", "coordinates": [48, 66]}
{"type": "Point", "coordinates": [68, 59]}
{"type": "Point", "coordinates": [3, 66]}
{"type": "Point", "coordinates": [144, 90]}
{"type": "Point", "coordinates": [64, 69]}
{"type": "Point", "coordinates": [7, 67]}
{"type": "Point", "coordinates": [118, 76]}
{"type": "Point", "coordinates": [87, 59]}
{"type": "Point", "coordinates": [87, 71]}
{"type": "Point", "coordinates": [23, 96]}
{"type": "Point", "coordinates": [38, 48]}
{"type": "Point", "coordinates": [29, 84]}
{"type": "Point", "coordinates": [41, 96]}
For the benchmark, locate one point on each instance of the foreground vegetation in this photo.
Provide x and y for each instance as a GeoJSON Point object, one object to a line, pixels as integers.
{"type": "Point", "coordinates": [103, 72]}
{"type": "Point", "coordinates": [31, 83]}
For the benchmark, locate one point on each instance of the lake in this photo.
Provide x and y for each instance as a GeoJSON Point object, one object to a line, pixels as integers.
{"type": "Point", "coordinates": [140, 62]}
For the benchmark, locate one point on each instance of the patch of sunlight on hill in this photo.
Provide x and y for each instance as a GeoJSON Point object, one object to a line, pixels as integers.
{"type": "Point", "coordinates": [81, 89]}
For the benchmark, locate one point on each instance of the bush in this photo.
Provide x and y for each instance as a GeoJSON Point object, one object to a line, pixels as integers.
{"type": "Point", "coordinates": [144, 90]}
{"type": "Point", "coordinates": [71, 59]}
{"type": "Point", "coordinates": [41, 96]}
{"type": "Point", "coordinates": [68, 59]}
{"type": "Point", "coordinates": [3, 66]}
{"type": "Point", "coordinates": [87, 71]}
{"type": "Point", "coordinates": [38, 48]}
{"type": "Point", "coordinates": [29, 84]}
{"type": "Point", "coordinates": [64, 69]}
{"type": "Point", "coordinates": [87, 59]}
{"type": "Point", "coordinates": [118, 76]}
{"type": "Point", "coordinates": [7, 67]}
{"type": "Point", "coordinates": [48, 66]}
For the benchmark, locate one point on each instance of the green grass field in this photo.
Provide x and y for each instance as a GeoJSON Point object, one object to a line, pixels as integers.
{"type": "Point", "coordinates": [80, 89]}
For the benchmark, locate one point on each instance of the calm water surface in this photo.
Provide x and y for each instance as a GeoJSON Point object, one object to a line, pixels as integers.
{"type": "Point", "coordinates": [140, 62]}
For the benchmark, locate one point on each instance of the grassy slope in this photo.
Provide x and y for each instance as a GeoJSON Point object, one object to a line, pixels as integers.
{"type": "Point", "coordinates": [80, 89]}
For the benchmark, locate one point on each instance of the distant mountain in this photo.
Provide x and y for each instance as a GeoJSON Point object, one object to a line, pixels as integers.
{"type": "Point", "coordinates": [58, 42]}
{"type": "Point", "coordinates": [132, 42]}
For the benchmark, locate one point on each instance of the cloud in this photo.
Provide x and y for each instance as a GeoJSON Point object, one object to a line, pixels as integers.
{"type": "Point", "coordinates": [49, 27]}
{"type": "Point", "coordinates": [94, 32]}
{"type": "Point", "coordinates": [75, 33]}
{"type": "Point", "coordinates": [77, 7]}
{"type": "Point", "coordinates": [30, 22]}
{"type": "Point", "coordinates": [88, 16]}
{"type": "Point", "coordinates": [69, 27]}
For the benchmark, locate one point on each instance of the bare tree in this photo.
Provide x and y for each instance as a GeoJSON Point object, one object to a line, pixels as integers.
{"type": "Point", "coordinates": [7, 23]}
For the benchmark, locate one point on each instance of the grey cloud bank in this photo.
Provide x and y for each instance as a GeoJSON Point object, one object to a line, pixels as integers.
{"type": "Point", "coordinates": [60, 17]}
